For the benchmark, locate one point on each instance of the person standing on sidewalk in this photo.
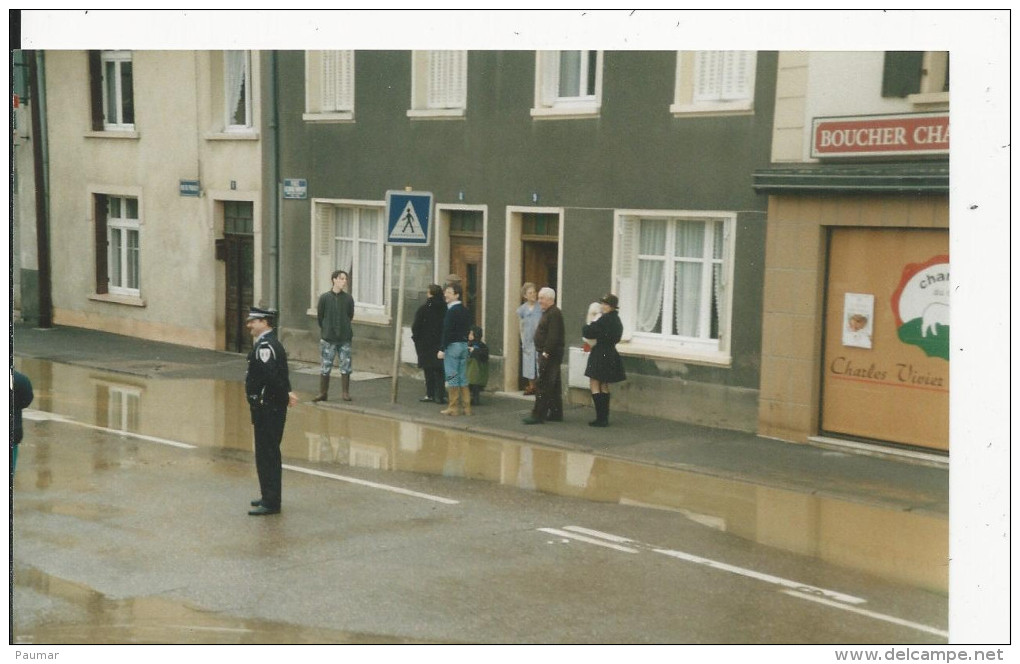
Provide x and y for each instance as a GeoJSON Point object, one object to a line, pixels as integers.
{"type": "Point", "coordinates": [604, 363]}
{"type": "Point", "coordinates": [336, 311]}
{"type": "Point", "coordinates": [21, 398]}
{"type": "Point", "coordinates": [549, 340]}
{"type": "Point", "coordinates": [426, 333]}
{"type": "Point", "coordinates": [267, 388]}
{"type": "Point", "coordinates": [454, 350]}
{"type": "Point", "coordinates": [529, 313]}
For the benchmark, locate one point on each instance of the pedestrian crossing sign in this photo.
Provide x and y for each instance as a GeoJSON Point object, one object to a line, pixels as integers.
{"type": "Point", "coordinates": [409, 216]}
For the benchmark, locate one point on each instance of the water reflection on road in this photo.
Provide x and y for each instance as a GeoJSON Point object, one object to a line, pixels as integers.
{"type": "Point", "coordinates": [905, 547]}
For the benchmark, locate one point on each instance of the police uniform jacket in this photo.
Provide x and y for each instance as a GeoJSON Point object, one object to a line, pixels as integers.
{"type": "Point", "coordinates": [267, 383]}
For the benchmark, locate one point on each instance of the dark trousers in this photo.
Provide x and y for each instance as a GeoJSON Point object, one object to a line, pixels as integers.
{"type": "Point", "coordinates": [268, 424]}
{"type": "Point", "coordinates": [548, 390]}
{"type": "Point", "coordinates": [434, 388]}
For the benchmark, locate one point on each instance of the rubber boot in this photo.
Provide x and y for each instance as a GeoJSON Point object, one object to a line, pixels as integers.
{"type": "Point", "coordinates": [601, 410]}
{"type": "Point", "coordinates": [453, 409]}
{"type": "Point", "coordinates": [323, 389]}
{"type": "Point", "coordinates": [345, 382]}
{"type": "Point", "coordinates": [465, 397]}
{"type": "Point", "coordinates": [595, 400]}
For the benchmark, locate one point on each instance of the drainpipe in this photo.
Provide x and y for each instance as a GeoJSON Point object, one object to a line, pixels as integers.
{"type": "Point", "coordinates": [276, 206]}
{"type": "Point", "coordinates": [36, 82]}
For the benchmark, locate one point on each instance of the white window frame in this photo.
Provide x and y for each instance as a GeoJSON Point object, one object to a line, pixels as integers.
{"type": "Point", "coordinates": [329, 86]}
{"type": "Point", "coordinates": [118, 58]}
{"type": "Point", "coordinates": [126, 226]}
{"type": "Point", "coordinates": [625, 279]}
{"type": "Point", "coordinates": [933, 73]}
{"type": "Point", "coordinates": [549, 103]}
{"type": "Point", "coordinates": [229, 101]}
{"type": "Point", "coordinates": [323, 259]}
{"type": "Point", "coordinates": [438, 84]}
{"type": "Point", "coordinates": [714, 83]}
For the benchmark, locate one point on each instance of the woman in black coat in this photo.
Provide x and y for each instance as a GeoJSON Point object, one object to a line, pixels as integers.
{"type": "Point", "coordinates": [426, 332]}
{"type": "Point", "coordinates": [604, 363]}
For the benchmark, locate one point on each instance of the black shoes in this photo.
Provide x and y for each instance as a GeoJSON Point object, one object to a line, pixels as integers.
{"type": "Point", "coordinates": [257, 502]}
{"type": "Point", "coordinates": [426, 400]}
{"type": "Point", "coordinates": [532, 420]}
{"type": "Point", "coordinates": [262, 510]}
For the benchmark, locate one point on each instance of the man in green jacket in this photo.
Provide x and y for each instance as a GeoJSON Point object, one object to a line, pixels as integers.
{"type": "Point", "coordinates": [336, 310]}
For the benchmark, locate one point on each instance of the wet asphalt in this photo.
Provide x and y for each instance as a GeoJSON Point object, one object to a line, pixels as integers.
{"type": "Point", "coordinates": [889, 482]}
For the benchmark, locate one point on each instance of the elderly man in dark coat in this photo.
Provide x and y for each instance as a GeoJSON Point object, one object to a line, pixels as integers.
{"type": "Point", "coordinates": [549, 340]}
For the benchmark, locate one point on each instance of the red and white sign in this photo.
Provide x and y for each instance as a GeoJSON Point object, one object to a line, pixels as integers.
{"type": "Point", "coordinates": [881, 135]}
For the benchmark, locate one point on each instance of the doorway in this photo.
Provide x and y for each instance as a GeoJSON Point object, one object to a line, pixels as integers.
{"type": "Point", "coordinates": [534, 237]}
{"type": "Point", "coordinates": [239, 255]}
{"type": "Point", "coordinates": [466, 257]}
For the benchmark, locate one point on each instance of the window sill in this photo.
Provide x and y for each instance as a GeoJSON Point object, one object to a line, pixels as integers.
{"type": "Point", "coordinates": [126, 300]}
{"type": "Point", "coordinates": [233, 136]}
{"type": "Point", "coordinates": [678, 353]}
{"type": "Point", "coordinates": [325, 118]}
{"type": "Point", "coordinates": [565, 112]}
{"type": "Point", "coordinates": [929, 99]}
{"type": "Point", "coordinates": [113, 133]}
{"type": "Point", "coordinates": [436, 113]}
{"type": "Point", "coordinates": [710, 109]}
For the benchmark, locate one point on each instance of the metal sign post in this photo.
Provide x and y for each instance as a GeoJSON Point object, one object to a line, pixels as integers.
{"type": "Point", "coordinates": [408, 217]}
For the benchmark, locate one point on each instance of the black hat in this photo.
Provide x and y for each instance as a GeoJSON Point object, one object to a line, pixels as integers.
{"type": "Point", "coordinates": [256, 312]}
{"type": "Point", "coordinates": [610, 299]}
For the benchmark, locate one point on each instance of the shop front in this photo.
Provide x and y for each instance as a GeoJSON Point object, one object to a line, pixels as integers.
{"type": "Point", "coordinates": [856, 328]}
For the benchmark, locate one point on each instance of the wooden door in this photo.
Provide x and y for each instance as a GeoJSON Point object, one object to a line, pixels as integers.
{"type": "Point", "coordinates": [240, 253]}
{"type": "Point", "coordinates": [540, 261]}
{"type": "Point", "coordinates": [466, 262]}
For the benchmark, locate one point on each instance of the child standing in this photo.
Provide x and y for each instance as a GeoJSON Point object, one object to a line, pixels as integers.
{"type": "Point", "coordinates": [477, 364]}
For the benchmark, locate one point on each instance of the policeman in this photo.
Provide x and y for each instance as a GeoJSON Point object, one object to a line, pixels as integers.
{"type": "Point", "coordinates": [267, 387]}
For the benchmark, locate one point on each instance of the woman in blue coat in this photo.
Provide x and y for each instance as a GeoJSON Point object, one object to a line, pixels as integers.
{"type": "Point", "coordinates": [604, 363]}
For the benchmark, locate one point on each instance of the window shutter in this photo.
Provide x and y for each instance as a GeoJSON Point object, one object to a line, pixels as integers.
{"type": "Point", "coordinates": [707, 73]}
{"type": "Point", "coordinates": [549, 72]}
{"type": "Point", "coordinates": [330, 70]}
{"type": "Point", "coordinates": [324, 223]}
{"type": "Point", "coordinates": [101, 240]}
{"type": "Point", "coordinates": [447, 78]}
{"type": "Point", "coordinates": [345, 81]}
{"type": "Point", "coordinates": [96, 89]}
{"type": "Point", "coordinates": [626, 272]}
{"type": "Point", "coordinates": [901, 73]}
{"type": "Point", "coordinates": [736, 79]}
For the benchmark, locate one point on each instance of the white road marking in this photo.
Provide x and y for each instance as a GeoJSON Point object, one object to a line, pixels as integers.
{"type": "Point", "coordinates": [768, 578]}
{"type": "Point", "coordinates": [870, 614]}
{"type": "Point", "coordinates": [42, 416]}
{"type": "Point", "coordinates": [598, 533]}
{"type": "Point", "coordinates": [589, 540]}
{"type": "Point", "coordinates": [374, 485]}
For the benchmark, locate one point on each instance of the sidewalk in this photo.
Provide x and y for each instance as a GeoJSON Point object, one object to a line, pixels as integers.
{"type": "Point", "coordinates": [735, 455]}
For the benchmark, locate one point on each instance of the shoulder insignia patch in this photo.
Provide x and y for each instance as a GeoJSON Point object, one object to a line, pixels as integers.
{"type": "Point", "coordinates": [265, 353]}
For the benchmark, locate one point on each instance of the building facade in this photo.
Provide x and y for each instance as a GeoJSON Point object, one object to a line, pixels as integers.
{"type": "Point", "coordinates": [586, 171]}
{"type": "Point", "coordinates": [855, 336]}
{"type": "Point", "coordinates": [154, 166]}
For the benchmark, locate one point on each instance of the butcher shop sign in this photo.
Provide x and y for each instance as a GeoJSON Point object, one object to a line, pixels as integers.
{"type": "Point", "coordinates": [905, 134]}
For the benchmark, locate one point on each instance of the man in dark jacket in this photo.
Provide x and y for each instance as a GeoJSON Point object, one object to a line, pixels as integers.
{"type": "Point", "coordinates": [336, 311]}
{"type": "Point", "coordinates": [267, 388]}
{"type": "Point", "coordinates": [549, 340]}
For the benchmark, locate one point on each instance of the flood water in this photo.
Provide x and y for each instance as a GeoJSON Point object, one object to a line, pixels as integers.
{"type": "Point", "coordinates": [905, 547]}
